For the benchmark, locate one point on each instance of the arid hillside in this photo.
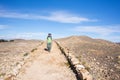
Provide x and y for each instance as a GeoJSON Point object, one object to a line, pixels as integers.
{"type": "Point", "coordinates": [100, 57]}
{"type": "Point", "coordinates": [13, 54]}
{"type": "Point", "coordinates": [118, 43]}
{"type": "Point", "coordinates": [21, 59]}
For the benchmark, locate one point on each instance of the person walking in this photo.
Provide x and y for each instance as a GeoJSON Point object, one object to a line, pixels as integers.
{"type": "Point", "coordinates": [49, 42]}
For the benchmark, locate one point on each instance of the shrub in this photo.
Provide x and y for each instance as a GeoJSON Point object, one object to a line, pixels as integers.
{"type": "Point", "coordinates": [83, 63]}
{"type": "Point", "coordinates": [11, 40]}
{"type": "Point", "coordinates": [87, 68]}
{"type": "Point", "coordinates": [33, 50]}
{"type": "Point", "coordinates": [2, 40]}
{"type": "Point", "coordinates": [67, 64]}
{"type": "Point", "coordinates": [26, 54]}
{"type": "Point", "coordinates": [2, 74]}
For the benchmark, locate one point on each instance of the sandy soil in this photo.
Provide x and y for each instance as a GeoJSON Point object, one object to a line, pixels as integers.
{"type": "Point", "coordinates": [45, 65]}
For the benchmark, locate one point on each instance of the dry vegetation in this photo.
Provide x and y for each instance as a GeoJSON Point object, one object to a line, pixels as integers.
{"type": "Point", "coordinates": [100, 57]}
{"type": "Point", "coordinates": [13, 53]}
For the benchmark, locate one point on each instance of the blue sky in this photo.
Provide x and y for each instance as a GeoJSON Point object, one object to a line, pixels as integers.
{"type": "Point", "coordinates": [34, 19]}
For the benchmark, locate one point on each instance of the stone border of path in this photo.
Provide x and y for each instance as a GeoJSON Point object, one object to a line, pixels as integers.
{"type": "Point", "coordinates": [78, 69]}
{"type": "Point", "coordinates": [17, 69]}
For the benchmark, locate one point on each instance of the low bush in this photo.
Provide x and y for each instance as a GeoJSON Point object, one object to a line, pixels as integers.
{"type": "Point", "coordinates": [26, 54]}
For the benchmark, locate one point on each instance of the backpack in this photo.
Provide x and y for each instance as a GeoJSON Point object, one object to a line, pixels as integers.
{"type": "Point", "coordinates": [49, 39]}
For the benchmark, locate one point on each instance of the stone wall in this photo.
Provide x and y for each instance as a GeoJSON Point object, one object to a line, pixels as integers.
{"type": "Point", "coordinates": [78, 69]}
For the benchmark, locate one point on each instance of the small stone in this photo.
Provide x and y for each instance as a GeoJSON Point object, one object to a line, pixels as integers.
{"type": "Point", "coordinates": [75, 61]}
{"type": "Point", "coordinates": [111, 70]}
{"type": "Point", "coordinates": [118, 57]}
{"type": "Point", "coordinates": [15, 71]}
{"type": "Point", "coordinates": [94, 59]}
{"type": "Point", "coordinates": [19, 66]}
{"type": "Point", "coordinates": [79, 67]}
{"type": "Point", "coordinates": [5, 60]}
{"type": "Point", "coordinates": [118, 67]}
{"type": "Point", "coordinates": [86, 75]}
{"type": "Point", "coordinates": [118, 62]}
{"type": "Point", "coordinates": [22, 63]}
{"type": "Point", "coordinates": [97, 63]}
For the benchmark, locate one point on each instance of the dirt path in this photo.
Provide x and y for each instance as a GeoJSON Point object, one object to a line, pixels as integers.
{"type": "Point", "coordinates": [46, 66]}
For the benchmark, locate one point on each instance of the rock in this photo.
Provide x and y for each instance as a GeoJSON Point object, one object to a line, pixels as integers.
{"type": "Point", "coordinates": [79, 67]}
{"type": "Point", "coordinates": [111, 70]}
{"type": "Point", "coordinates": [118, 57]}
{"type": "Point", "coordinates": [118, 67]}
{"type": "Point", "coordinates": [86, 75]}
{"type": "Point", "coordinates": [101, 70]}
{"type": "Point", "coordinates": [118, 62]}
{"type": "Point", "coordinates": [15, 71]}
{"type": "Point", "coordinates": [10, 77]}
{"type": "Point", "coordinates": [5, 60]}
{"type": "Point", "coordinates": [97, 63]}
{"type": "Point", "coordinates": [22, 62]}
{"type": "Point", "coordinates": [19, 66]}
{"type": "Point", "coordinates": [94, 59]}
{"type": "Point", "coordinates": [75, 61]}
{"type": "Point", "coordinates": [109, 57]}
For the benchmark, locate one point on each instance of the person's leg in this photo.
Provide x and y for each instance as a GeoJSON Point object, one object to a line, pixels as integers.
{"type": "Point", "coordinates": [49, 46]}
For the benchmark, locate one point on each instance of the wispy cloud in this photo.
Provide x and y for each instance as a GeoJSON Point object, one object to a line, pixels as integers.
{"type": "Point", "coordinates": [115, 38]}
{"type": "Point", "coordinates": [65, 17]}
{"type": "Point", "coordinates": [3, 27]}
{"type": "Point", "coordinates": [57, 16]}
{"type": "Point", "coordinates": [29, 35]}
{"type": "Point", "coordinates": [111, 33]}
{"type": "Point", "coordinates": [101, 30]}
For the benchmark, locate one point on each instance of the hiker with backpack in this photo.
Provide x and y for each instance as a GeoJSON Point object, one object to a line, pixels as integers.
{"type": "Point", "coordinates": [49, 42]}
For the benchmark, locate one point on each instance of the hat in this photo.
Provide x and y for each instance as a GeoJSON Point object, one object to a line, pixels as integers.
{"type": "Point", "coordinates": [49, 34]}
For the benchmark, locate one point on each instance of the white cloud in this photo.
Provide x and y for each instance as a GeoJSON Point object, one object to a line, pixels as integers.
{"type": "Point", "coordinates": [57, 16]}
{"type": "Point", "coordinates": [111, 33]}
{"type": "Point", "coordinates": [3, 26]}
{"type": "Point", "coordinates": [30, 35]}
{"type": "Point", "coordinates": [65, 17]}
{"type": "Point", "coordinates": [114, 38]}
{"type": "Point", "coordinates": [101, 30]}
{"type": "Point", "coordinates": [16, 15]}
{"type": "Point", "coordinates": [2, 37]}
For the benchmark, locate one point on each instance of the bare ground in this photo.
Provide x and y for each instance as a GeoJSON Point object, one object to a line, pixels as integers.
{"type": "Point", "coordinates": [100, 57]}
{"type": "Point", "coordinates": [43, 65]}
